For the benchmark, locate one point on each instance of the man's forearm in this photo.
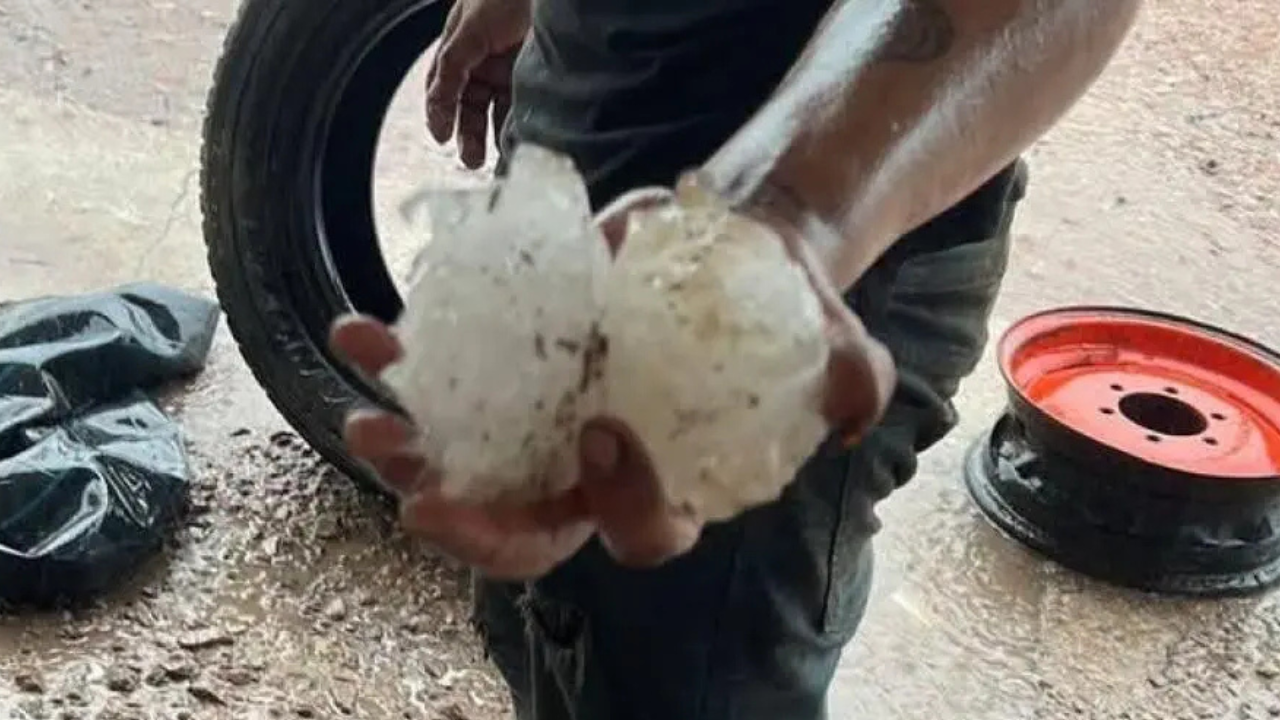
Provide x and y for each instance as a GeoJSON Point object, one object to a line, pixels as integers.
{"type": "Point", "coordinates": [900, 108]}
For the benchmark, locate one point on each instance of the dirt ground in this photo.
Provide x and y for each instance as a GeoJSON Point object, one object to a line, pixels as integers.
{"type": "Point", "coordinates": [288, 594]}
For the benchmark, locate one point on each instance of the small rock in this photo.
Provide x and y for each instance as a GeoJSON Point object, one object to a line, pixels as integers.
{"type": "Point", "coordinates": [240, 677]}
{"type": "Point", "coordinates": [452, 711]}
{"type": "Point", "coordinates": [327, 527]}
{"type": "Point", "coordinates": [122, 679]}
{"type": "Point", "coordinates": [206, 694]}
{"type": "Point", "coordinates": [180, 670]}
{"type": "Point", "coordinates": [335, 610]}
{"type": "Point", "coordinates": [240, 432]}
{"type": "Point", "coordinates": [1268, 671]}
{"type": "Point", "coordinates": [205, 639]}
{"type": "Point", "coordinates": [29, 682]}
{"type": "Point", "coordinates": [34, 708]}
{"type": "Point", "coordinates": [415, 624]}
{"type": "Point", "coordinates": [304, 711]}
{"type": "Point", "coordinates": [155, 677]}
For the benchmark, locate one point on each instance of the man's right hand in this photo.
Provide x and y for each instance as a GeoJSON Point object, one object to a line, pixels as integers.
{"type": "Point", "coordinates": [469, 82]}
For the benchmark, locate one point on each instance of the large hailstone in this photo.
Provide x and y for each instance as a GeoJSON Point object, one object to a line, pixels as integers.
{"type": "Point", "coordinates": [499, 331]}
{"type": "Point", "coordinates": [704, 337]}
{"type": "Point", "coordinates": [717, 354]}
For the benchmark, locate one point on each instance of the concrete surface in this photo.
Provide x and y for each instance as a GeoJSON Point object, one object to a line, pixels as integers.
{"type": "Point", "coordinates": [288, 595]}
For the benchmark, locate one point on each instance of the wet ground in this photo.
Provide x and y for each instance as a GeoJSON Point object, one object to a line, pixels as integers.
{"type": "Point", "coordinates": [289, 595]}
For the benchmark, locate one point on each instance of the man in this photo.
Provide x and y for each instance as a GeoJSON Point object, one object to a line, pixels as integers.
{"type": "Point", "coordinates": [876, 138]}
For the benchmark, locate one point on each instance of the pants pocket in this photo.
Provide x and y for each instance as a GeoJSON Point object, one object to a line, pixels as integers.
{"type": "Point", "coordinates": [931, 311]}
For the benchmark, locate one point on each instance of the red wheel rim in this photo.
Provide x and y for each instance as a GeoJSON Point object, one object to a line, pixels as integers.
{"type": "Point", "coordinates": [1170, 392]}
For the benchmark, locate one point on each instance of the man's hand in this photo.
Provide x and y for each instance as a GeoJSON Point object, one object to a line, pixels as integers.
{"type": "Point", "coordinates": [470, 79]}
{"type": "Point", "coordinates": [504, 541]}
{"type": "Point", "coordinates": [860, 372]}
{"type": "Point", "coordinates": [617, 495]}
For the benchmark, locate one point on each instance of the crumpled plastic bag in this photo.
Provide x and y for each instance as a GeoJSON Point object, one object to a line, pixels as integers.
{"type": "Point", "coordinates": [92, 473]}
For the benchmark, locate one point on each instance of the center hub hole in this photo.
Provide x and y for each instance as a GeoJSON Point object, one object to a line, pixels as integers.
{"type": "Point", "coordinates": [1163, 414]}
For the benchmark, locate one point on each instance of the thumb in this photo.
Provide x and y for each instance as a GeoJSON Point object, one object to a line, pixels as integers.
{"type": "Point", "coordinates": [612, 220]}
{"type": "Point", "coordinates": [636, 524]}
{"type": "Point", "coordinates": [860, 380]}
{"type": "Point", "coordinates": [600, 452]}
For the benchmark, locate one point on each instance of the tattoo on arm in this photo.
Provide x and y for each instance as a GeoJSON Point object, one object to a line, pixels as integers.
{"type": "Point", "coordinates": [922, 32]}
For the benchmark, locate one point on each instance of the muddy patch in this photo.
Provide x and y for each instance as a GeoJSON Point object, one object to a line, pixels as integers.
{"type": "Point", "coordinates": [288, 593]}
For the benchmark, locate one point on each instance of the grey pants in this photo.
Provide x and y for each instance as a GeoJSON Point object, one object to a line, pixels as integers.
{"type": "Point", "coordinates": [751, 623]}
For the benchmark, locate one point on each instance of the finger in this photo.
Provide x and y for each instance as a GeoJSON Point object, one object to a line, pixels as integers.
{"type": "Point", "coordinates": [446, 35]}
{"type": "Point", "coordinates": [433, 509]}
{"type": "Point", "coordinates": [451, 22]}
{"type": "Point", "coordinates": [804, 255]}
{"type": "Point", "coordinates": [501, 109]}
{"type": "Point", "coordinates": [534, 557]}
{"type": "Point", "coordinates": [473, 537]}
{"type": "Point", "coordinates": [454, 63]}
{"type": "Point", "coordinates": [636, 524]}
{"type": "Point", "coordinates": [507, 540]}
{"type": "Point", "coordinates": [538, 516]}
{"type": "Point", "coordinates": [473, 123]}
{"type": "Point", "coordinates": [385, 442]}
{"type": "Point", "coordinates": [376, 435]}
{"type": "Point", "coordinates": [612, 220]}
{"type": "Point", "coordinates": [365, 342]}
{"type": "Point", "coordinates": [860, 381]}
{"type": "Point", "coordinates": [404, 475]}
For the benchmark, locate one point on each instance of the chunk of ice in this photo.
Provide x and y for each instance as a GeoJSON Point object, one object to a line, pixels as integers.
{"type": "Point", "coordinates": [716, 351]}
{"type": "Point", "coordinates": [502, 309]}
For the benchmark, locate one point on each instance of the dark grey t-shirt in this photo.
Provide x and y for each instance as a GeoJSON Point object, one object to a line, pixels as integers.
{"type": "Point", "coordinates": [636, 91]}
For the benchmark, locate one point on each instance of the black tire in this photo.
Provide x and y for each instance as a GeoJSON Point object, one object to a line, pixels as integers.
{"type": "Point", "coordinates": [294, 115]}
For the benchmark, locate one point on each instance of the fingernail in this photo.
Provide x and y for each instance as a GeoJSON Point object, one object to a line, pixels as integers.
{"type": "Point", "coordinates": [599, 450]}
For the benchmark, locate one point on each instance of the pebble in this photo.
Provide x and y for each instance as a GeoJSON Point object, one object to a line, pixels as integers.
{"type": "Point", "coordinates": [29, 682]}
{"type": "Point", "coordinates": [335, 610]}
{"type": "Point", "coordinates": [180, 670]}
{"type": "Point", "coordinates": [205, 639]}
{"type": "Point", "coordinates": [240, 677]}
{"type": "Point", "coordinates": [122, 679]}
{"type": "Point", "coordinates": [453, 711]}
{"type": "Point", "coordinates": [327, 527]}
{"type": "Point", "coordinates": [206, 694]}
{"type": "Point", "coordinates": [34, 708]}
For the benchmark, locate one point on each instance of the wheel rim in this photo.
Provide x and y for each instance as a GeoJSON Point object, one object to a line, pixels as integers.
{"type": "Point", "coordinates": [1175, 394]}
{"type": "Point", "coordinates": [1072, 471]}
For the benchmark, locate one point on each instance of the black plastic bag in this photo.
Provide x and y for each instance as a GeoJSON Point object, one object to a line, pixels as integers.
{"type": "Point", "coordinates": [92, 473]}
